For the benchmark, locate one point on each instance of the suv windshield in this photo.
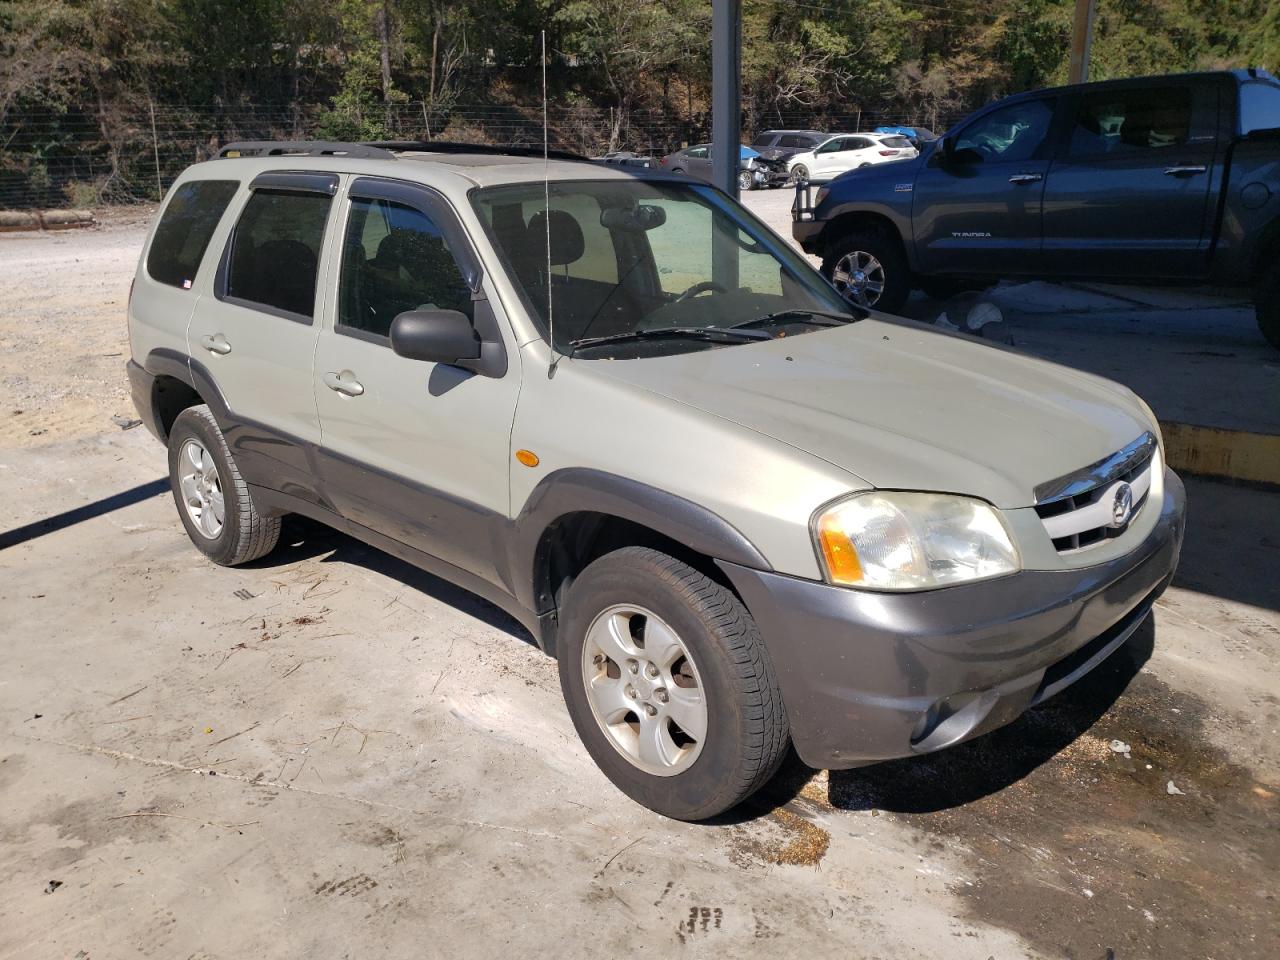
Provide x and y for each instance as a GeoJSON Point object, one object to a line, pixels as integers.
{"type": "Point", "coordinates": [642, 268]}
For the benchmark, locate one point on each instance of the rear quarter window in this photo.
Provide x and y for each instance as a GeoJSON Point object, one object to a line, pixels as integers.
{"type": "Point", "coordinates": [185, 228]}
{"type": "Point", "coordinates": [896, 143]}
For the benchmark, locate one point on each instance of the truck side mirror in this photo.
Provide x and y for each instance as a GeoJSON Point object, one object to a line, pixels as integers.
{"type": "Point", "coordinates": [438, 336]}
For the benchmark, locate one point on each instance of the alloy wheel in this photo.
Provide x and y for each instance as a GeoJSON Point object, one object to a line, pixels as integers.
{"type": "Point", "coordinates": [644, 690]}
{"type": "Point", "coordinates": [860, 277]}
{"type": "Point", "coordinates": [201, 489]}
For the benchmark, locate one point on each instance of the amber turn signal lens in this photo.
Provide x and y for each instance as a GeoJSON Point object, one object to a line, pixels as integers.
{"type": "Point", "coordinates": [841, 557]}
{"type": "Point", "coordinates": [527, 457]}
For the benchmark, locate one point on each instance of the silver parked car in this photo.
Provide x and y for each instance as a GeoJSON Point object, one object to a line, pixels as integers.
{"type": "Point", "coordinates": [739, 511]}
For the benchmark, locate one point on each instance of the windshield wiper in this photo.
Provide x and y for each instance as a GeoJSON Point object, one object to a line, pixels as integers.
{"type": "Point", "coordinates": [819, 318]}
{"type": "Point", "coordinates": [710, 334]}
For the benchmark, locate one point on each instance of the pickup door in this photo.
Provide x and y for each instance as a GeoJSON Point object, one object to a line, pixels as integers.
{"type": "Point", "coordinates": [1128, 192]}
{"type": "Point", "coordinates": [976, 209]}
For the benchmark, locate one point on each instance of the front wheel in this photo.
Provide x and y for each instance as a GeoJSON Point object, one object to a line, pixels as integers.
{"type": "Point", "coordinates": [745, 180]}
{"type": "Point", "coordinates": [868, 267]}
{"type": "Point", "coordinates": [669, 684]}
{"type": "Point", "coordinates": [800, 172]}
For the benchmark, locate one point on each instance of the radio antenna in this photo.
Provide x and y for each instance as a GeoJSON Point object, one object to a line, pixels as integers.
{"type": "Point", "coordinates": [546, 210]}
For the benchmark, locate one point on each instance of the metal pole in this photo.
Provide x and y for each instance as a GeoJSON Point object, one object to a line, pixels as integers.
{"type": "Point", "coordinates": [726, 95]}
{"type": "Point", "coordinates": [1081, 37]}
{"type": "Point", "coordinates": [726, 123]}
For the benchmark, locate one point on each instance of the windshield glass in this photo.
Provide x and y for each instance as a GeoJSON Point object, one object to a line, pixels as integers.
{"type": "Point", "coordinates": [632, 256]}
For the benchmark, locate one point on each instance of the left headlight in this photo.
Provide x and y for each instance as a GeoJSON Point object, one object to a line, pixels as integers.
{"type": "Point", "coordinates": [912, 541]}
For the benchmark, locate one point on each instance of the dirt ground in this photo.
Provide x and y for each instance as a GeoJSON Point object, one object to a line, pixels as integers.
{"type": "Point", "coordinates": [330, 754]}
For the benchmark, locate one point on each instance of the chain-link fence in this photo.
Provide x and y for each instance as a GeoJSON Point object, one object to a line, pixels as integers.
{"type": "Point", "coordinates": [54, 159]}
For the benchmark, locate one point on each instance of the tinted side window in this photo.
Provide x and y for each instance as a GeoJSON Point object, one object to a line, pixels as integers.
{"type": "Point", "coordinates": [698, 152]}
{"type": "Point", "coordinates": [1259, 106]}
{"type": "Point", "coordinates": [1122, 121]}
{"type": "Point", "coordinates": [1011, 133]}
{"type": "Point", "coordinates": [275, 250]}
{"type": "Point", "coordinates": [794, 140]}
{"type": "Point", "coordinates": [183, 233]}
{"type": "Point", "coordinates": [763, 140]}
{"type": "Point", "coordinates": [395, 259]}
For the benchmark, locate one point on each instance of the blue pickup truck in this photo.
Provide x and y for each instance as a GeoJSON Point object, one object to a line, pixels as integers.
{"type": "Point", "coordinates": [1155, 180]}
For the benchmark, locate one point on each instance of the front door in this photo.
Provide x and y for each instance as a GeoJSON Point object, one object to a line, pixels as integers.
{"type": "Point", "coordinates": [416, 451]}
{"type": "Point", "coordinates": [1128, 195]}
{"type": "Point", "coordinates": [977, 210]}
{"type": "Point", "coordinates": [256, 336]}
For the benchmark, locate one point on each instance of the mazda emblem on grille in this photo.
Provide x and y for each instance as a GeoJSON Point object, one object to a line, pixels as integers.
{"type": "Point", "coordinates": [1122, 506]}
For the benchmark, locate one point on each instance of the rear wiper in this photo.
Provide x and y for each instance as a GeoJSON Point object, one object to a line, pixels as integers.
{"type": "Point", "coordinates": [819, 318]}
{"type": "Point", "coordinates": [710, 334]}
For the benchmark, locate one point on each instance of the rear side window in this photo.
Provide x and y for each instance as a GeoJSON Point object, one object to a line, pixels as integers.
{"type": "Point", "coordinates": [185, 228]}
{"type": "Point", "coordinates": [896, 143]}
{"type": "Point", "coordinates": [1259, 106]}
{"type": "Point", "coordinates": [275, 251]}
{"type": "Point", "coordinates": [395, 259]}
{"type": "Point", "coordinates": [1123, 121]}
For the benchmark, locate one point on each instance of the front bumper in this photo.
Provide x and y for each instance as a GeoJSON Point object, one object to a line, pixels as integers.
{"type": "Point", "coordinates": [876, 676]}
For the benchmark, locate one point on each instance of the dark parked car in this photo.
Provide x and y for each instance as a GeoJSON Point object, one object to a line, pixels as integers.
{"type": "Point", "coordinates": [625, 158]}
{"type": "Point", "coordinates": [1155, 180]}
{"type": "Point", "coordinates": [753, 169]}
{"type": "Point", "coordinates": [917, 135]}
{"type": "Point", "coordinates": [784, 144]}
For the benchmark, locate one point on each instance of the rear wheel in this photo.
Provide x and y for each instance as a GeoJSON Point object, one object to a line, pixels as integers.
{"type": "Point", "coordinates": [868, 266]}
{"type": "Point", "coordinates": [213, 501]}
{"type": "Point", "coordinates": [1267, 309]}
{"type": "Point", "coordinates": [669, 684]}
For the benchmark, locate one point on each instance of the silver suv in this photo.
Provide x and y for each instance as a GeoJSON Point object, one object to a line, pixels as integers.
{"type": "Point", "coordinates": [739, 511]}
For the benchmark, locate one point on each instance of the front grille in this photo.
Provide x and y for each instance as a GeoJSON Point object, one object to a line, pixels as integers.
{"type": "Point", "coordinates": [1079, 510]}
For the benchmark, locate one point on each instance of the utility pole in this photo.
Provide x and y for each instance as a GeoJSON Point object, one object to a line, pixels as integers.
{"type": "Point", "coordinates": [726, 125]}
{"type": "Point", "coordinates": [1081, 37]}
{"type": "Point", "coordinates": [726, 93]}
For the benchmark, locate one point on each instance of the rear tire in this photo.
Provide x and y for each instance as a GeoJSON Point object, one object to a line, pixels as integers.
{"type": "Point", "coordinates": [213, 500]}
{"type": "Point", "coordinates": [624, 620]}
{"type": "Point", "coordinates": [848, 255]}
{"type": "Point", "coordinates": [1267, 309]}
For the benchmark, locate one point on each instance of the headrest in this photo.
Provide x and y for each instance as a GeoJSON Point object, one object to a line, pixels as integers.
{"type": "Point", "coordinates": [567, 243]}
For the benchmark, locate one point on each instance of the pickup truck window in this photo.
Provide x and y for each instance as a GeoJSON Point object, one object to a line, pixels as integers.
{"type": "Point", "coordinates": [1121, 121]}
{"type": "Point", "coordinates": [1259, 106]}
{"type": "Point", "coordinates": [1013, 133]}
{"type": "Point", "coordinates": [395, 259]}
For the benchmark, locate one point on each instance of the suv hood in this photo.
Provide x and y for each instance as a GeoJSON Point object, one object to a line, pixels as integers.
{"type": "Point", "coordinates": [902, 406]}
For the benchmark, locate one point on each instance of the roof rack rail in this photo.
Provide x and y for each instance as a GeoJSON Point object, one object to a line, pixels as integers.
{"type": "Point", "coordinates": [449, 146]}
{"type": "Point", "coordinates": [304, 148]}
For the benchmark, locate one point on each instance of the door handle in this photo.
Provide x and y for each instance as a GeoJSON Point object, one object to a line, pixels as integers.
{"type": "Point", "coordinates": [216, 343]}
{"type": "Point", "coordinates": [1184, 169]}
{"type": "Point", "coordinates": [1026, 178]}
{"type": "Point", "coordinates": [344, 383]}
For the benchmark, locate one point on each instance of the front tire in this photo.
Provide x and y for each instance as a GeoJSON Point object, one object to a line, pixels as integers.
{"type": "Point", "coordinates": [867, 265]}
{"type": "Point", "coordinates": [669, 684]}
{"type": "Point", "coordinates": [213, 500]}
{"type": "Point", "coordinates": [746, 181]}
{"type": "Point", "coordinates": [799, 172]}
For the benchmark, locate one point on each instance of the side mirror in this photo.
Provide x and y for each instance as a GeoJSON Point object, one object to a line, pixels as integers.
{"type": "Point", "coordinates": [439, 336]}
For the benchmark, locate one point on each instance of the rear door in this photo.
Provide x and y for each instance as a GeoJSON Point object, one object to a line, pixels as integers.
{"type": "Point", "coordinates": [977, 211]}
{"type": "Point", "coordinates": [256, 336]}
{"type": "Point", "coordinates": [1128, 194]}
{"type": "Point", "coordinates": [416, 451]}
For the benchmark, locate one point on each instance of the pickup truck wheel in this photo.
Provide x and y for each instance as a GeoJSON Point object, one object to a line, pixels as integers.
{"type": "Point", "coordinates": [1267, 309]}
{"type": "Point", "coordinates": [669, 684]}
{"type": "Point", "coordinates": [213, 501]}
{"type": "Point", "coordinates": [869, 268]}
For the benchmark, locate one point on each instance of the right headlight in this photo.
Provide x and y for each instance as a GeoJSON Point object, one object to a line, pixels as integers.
{"type": "Point", "coordinates": [892, 540]}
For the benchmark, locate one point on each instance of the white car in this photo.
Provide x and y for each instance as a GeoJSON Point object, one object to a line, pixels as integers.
{"type": "Point", "coordinates": [848, 151]}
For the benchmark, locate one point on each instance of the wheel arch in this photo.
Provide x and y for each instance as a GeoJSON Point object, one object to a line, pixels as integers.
{"type": "Point", "coordinates": [844, 223]}
{"type": "Point", "coordinates": [180, 382]}
{"type": "Point", "coordinates": [577, 515]}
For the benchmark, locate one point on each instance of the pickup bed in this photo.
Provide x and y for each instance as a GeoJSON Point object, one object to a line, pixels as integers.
{"type": "Point", "coordinates": [1156, 180]}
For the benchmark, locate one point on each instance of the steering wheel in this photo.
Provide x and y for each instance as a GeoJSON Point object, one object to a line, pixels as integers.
{"type": "Point", "coordinates": [705, 286]}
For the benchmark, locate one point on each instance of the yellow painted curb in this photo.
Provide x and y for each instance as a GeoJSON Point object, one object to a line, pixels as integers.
{"type": "Point", "coordinates": [1230, 454]}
